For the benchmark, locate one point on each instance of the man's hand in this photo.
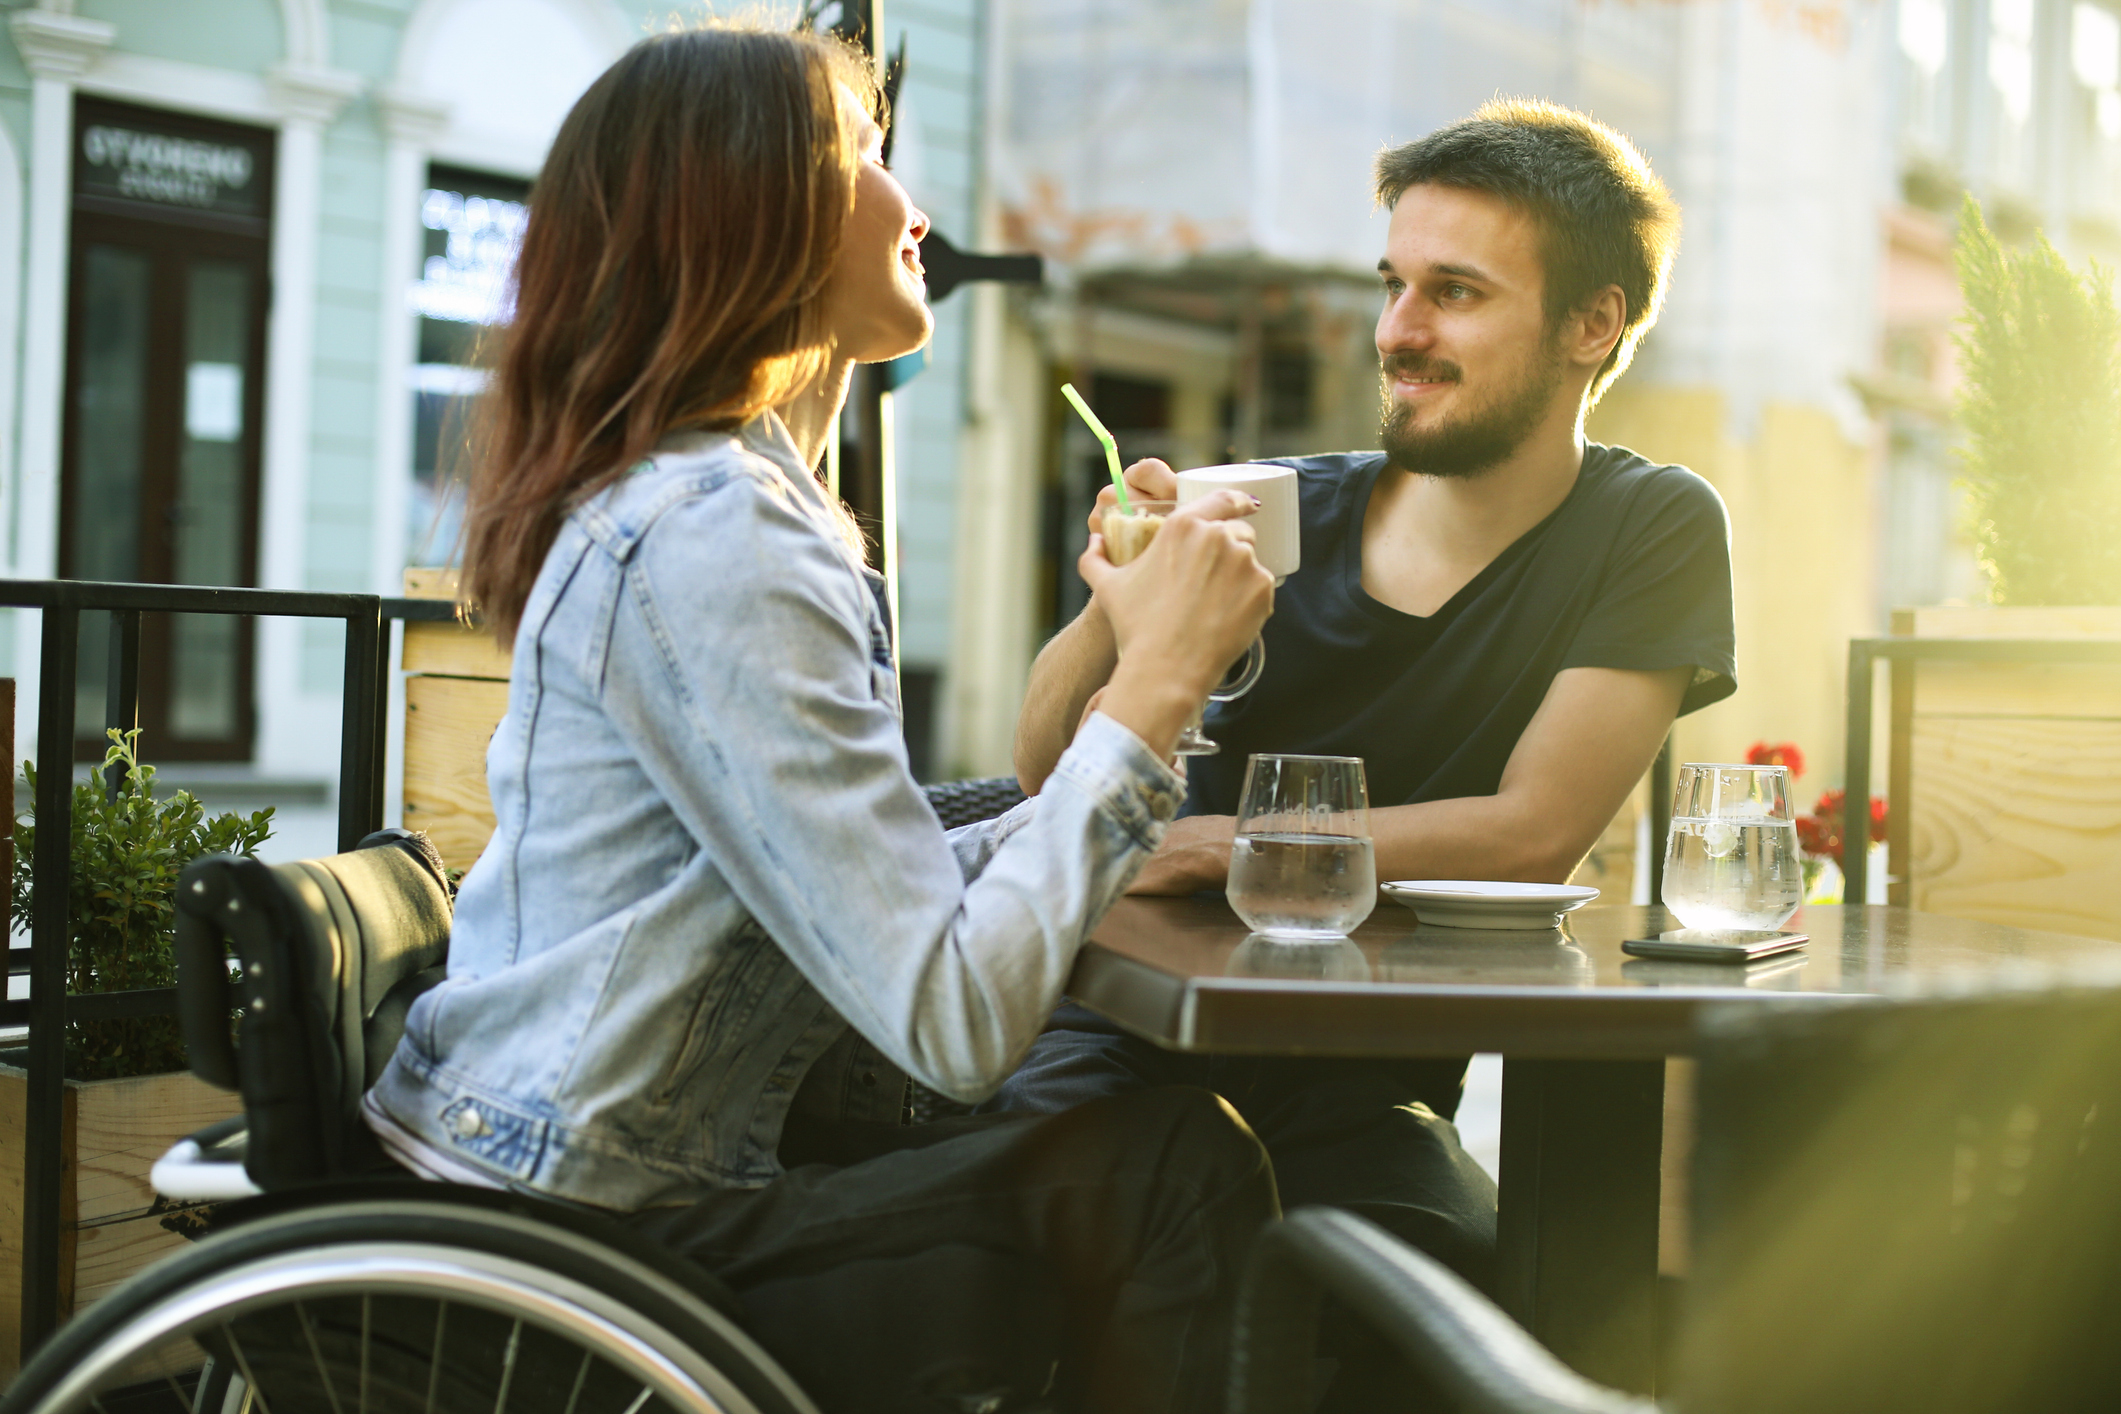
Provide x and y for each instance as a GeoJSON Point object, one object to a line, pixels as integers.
{"type": "Point", "coordinates": [1195, 855]}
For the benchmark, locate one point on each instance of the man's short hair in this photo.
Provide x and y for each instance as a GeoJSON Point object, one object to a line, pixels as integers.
{"type": "Point", "coordinates": [1603, 216]}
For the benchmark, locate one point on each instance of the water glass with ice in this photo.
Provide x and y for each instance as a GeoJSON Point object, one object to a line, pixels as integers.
{"type": "Point", "coordinates": [1302, 865]}
{"type": "Point", "coordinates": [1732, 860]}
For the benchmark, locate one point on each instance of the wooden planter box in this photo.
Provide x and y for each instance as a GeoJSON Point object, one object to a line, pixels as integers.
{"type": "Point", "coordinates": [2006, 779]}
{"type": "Point", "coordinates": [456, 692]}
{"type": "Point", "coordinates": [112, 1132]}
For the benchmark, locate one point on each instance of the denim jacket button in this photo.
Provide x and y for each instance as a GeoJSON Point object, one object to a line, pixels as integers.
{"type": "Point", "coordinates": [469, 1123]}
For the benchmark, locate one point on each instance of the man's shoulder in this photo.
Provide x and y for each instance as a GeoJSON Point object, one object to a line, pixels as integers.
{"type": "Point", "coordinates": [1329, 484]}
{"type": "Point", "coordinates": [1620, 475]}
{"type": "Point", "coordinates": [1327, 466]}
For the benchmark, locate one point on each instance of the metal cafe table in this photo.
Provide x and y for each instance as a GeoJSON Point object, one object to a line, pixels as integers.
{"type": "Point", "coordinates": [1583, 1029]}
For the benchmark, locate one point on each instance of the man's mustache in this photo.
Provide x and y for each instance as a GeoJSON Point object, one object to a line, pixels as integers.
{"type": "Point", "coordinates": [1419, 366]}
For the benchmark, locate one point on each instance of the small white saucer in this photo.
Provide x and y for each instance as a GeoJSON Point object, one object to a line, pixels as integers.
{"type": "Point", "coordinates": [1474, 903]}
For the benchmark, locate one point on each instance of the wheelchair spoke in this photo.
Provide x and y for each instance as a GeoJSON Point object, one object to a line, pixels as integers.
{"type": "Point", "coordinates": [309, 1332]}
{"type": "Point", "coordinates": [580, 1376]}
{"type": "Point", "coordinates": [434, 1373]}
{"type": "Point", "coordinates": [365, 1298]}
{"type": "Point", "coordinates": [251, 1393]}
{"type": "Point", "coordinates": [508, 1366]}
{"type": "Point", "coordinates": [639, 1400]}
{"type": "Point", "coordinates": [178, 1390]}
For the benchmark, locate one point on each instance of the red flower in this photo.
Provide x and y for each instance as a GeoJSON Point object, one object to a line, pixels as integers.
{"type": "Point", "coordinates": [1783, 753]}
{"type": "Point", "coordinates": [1824, 825]}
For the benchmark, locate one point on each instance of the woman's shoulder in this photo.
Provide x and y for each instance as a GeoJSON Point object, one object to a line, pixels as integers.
{"type": "Point", "coordinates": [717, 484]}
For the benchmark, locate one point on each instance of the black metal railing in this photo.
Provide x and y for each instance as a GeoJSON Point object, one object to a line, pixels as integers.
{"type": "Point", "coordinates": [49, 1007]}
{"type": "Point", "coordinates": [1903, 653]}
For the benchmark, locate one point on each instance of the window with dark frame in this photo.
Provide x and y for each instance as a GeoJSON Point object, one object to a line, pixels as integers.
{"type": "Point", "coordinates": [162, 447]}
{"type": "Point", "coordinates": [471, 226]}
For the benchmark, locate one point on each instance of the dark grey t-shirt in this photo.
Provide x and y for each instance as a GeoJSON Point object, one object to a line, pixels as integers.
{"type": "Point", "coordinates": [1632, 570]}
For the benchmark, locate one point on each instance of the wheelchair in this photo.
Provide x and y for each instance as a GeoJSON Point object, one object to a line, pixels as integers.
{"type": "Point", "coordinates": [332, 1281]}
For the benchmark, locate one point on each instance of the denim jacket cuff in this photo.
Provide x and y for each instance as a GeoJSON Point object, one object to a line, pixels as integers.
{"type": "Point", "coordinates": [1117, 769]}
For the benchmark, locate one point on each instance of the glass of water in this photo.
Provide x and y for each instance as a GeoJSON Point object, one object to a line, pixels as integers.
{"type": "Point", "coordinates": [1732, 860]}
{"type": "Point", "coordinates": [1302, 866]}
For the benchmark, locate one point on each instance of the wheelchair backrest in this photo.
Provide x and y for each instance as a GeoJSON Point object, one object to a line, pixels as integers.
{"type": "Point", "coordinates": [332, 953]}
{"type": "Point", "coordinates": [1914, 1205]}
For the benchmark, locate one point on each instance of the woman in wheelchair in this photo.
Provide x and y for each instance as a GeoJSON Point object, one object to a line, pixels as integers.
{"type": "Point", "coordinates": [717, 924]}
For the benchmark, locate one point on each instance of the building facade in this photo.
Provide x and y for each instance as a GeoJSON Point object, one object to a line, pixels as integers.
{"type": "Point", "coordinates": [248, 249]}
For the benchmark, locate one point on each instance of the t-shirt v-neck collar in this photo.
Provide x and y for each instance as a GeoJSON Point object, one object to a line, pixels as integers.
{"type": "Point", "coordinates": [1350, 558]}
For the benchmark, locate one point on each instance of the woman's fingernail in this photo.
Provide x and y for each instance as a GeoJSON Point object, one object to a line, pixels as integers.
{"type": "Point", "coordinates": [1256, 502]}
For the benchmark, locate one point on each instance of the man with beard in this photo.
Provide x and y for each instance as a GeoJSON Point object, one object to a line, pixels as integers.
{"type": "Point", "coordinates": [1501, 618]}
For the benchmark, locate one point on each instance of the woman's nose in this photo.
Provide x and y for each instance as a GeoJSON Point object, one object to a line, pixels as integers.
{"type": "Point", "coordinates": [920, 224]}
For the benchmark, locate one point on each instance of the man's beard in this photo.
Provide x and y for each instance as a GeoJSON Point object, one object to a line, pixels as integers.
{"type": "Point", "coordinates": [1473, 443]}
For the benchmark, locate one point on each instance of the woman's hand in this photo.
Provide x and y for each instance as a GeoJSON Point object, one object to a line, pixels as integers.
{"type": "Point", "coordinates": [1147, 480]}
{"type": "Point", "coordinates": [1181, 613]}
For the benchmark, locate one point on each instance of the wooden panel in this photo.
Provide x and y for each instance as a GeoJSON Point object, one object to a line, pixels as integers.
{"type": "Point", "coordinates": [2052, 690]}
{"type": "Point", "coordinates": [453, 651]}
{"type": "Point", "coordinates": [14, 1119]}
{"type": "Point", "coordinates": [2013, 621]}
{"type": "Point", "coordinates": [430, 583]}
{"type": "Point", "coordinates": [2006, 777]}
{"type": "Point", "coordinates": [114, 1132]}
{"type": "Point", "coordinates": [108, 1254]}
{"type": "Point", "coordinates": [124, 1126]}
{"type": "Point", "coordinates": [448, 722]}
{"type": "Point", "coordinates": [2018, 821]}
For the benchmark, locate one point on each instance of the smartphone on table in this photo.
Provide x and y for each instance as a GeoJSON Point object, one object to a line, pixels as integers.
{"type": "Point", "coordinates": [1716, 944]}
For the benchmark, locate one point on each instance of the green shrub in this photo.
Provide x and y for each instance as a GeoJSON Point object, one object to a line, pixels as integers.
{"type": "Point", "coordinates": [2041, 407]}
{"type": "Point", "coordinates": [127, 853]}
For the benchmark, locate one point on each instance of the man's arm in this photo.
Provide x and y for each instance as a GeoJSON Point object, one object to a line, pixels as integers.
{"type": "Point", "coordinates": [1068, 671]}
{"type": "Point", "coordinates": [1592, 738]}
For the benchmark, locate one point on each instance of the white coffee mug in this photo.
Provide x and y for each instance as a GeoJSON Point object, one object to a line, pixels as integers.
{"type": "Point", "coordinates": [1276, 524]}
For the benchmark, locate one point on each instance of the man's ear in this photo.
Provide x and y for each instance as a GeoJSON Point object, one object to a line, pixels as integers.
{"type": "Point", "coordinates": [1596, 327]}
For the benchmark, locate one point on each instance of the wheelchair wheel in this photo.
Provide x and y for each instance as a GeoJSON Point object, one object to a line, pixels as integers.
{"type": "Point", "coordinates": [405, 1306]}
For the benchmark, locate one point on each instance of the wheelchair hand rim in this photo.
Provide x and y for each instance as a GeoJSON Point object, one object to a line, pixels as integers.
{"type": "Point", "coordinates": [542, 1298]}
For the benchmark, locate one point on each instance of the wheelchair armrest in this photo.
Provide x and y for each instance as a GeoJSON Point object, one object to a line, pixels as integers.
{"type": "Point", "coordinates": [206, 1166]}
{"type": "Point", "coordinates": [1445, 1328]}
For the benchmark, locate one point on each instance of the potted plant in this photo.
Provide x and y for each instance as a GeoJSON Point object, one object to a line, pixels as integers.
{"type": "Point", "coordinates": [129, 1094]}
{"type": "Point", "coordinates": [2004, 779]}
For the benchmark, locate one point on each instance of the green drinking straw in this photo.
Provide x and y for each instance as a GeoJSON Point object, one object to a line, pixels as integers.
{"type": "Point", "coordinates": [1119, 485]}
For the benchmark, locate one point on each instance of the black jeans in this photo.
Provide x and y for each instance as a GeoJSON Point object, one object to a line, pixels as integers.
{"type": "Point", "coordinates": [1372, 1136]}
{"type": "Point", "coordinates": [1138, 1209]}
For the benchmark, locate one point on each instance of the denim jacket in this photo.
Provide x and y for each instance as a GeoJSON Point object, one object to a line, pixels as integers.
{"type": "Point", "coordinates": [710, 859]}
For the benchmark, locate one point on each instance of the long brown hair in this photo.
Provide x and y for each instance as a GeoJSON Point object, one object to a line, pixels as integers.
{"type": "Point", "coordinates": [680, 236]}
